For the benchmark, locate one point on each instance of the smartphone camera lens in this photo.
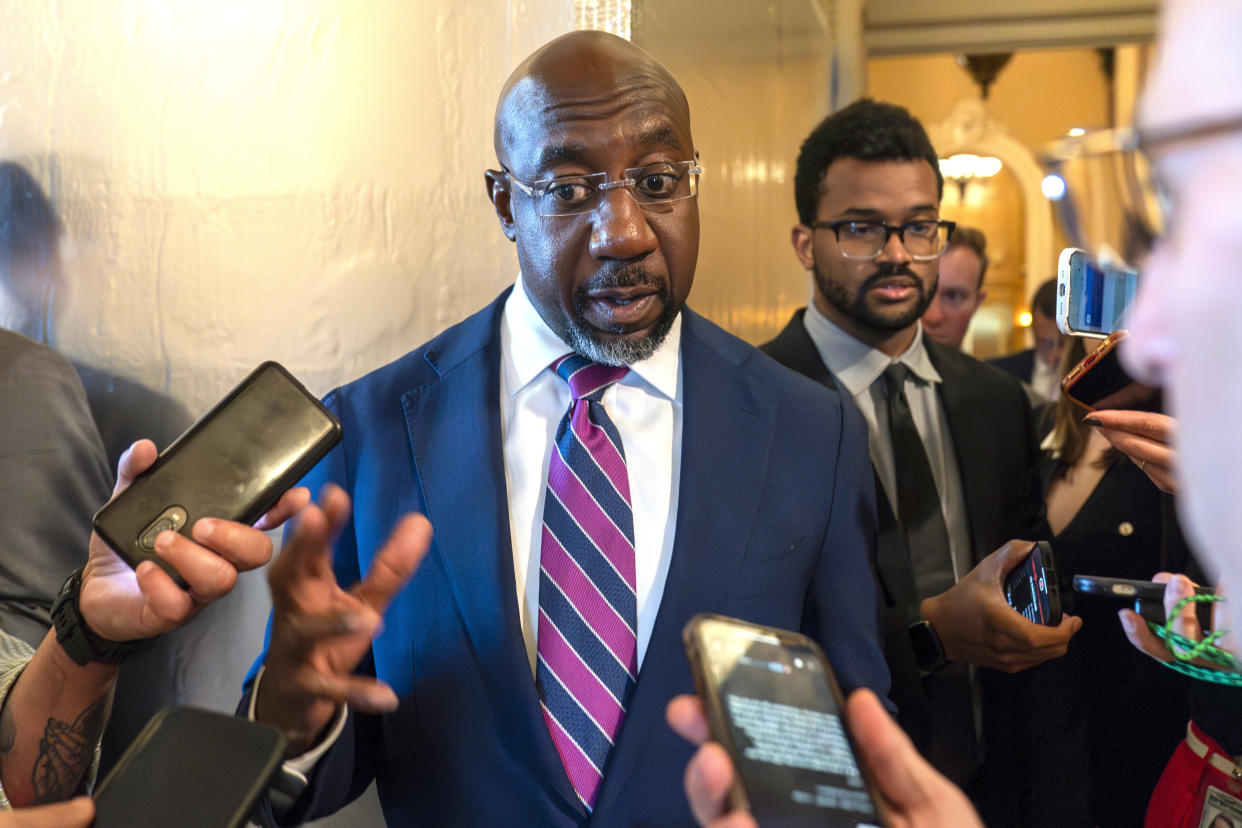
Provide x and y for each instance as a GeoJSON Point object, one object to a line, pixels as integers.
{"type": "Point", "coordinates": [171, 519]}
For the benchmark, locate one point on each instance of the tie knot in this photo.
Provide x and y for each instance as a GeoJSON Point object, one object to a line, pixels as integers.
{"type": "Point", "coordinates": [587, 379]}
{"type": "Point", "coordinates": [895, 377]}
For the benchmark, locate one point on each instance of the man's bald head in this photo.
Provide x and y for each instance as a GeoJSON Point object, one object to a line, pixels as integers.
{"type": "Point", "coordinates": [609, 280]}
{"type": "Point", "coordinates": [580, 68]}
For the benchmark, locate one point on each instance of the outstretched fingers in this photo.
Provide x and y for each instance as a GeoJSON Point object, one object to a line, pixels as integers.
{"type": "Point", "coordinates": [307, 554]}
{"type": "Point", "coordinates": [394, 564]}
{"type": "Point", "coordinates": [290, 503]}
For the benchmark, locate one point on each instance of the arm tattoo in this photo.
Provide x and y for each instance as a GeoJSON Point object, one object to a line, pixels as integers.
{"type": "Point", "coordinates": [66, 752]}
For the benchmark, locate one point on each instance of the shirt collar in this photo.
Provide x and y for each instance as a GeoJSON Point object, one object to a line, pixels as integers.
{"type": "Point", "coordinates": [857, 365]}
{"type": "Point", "coordinates": [529, 346]}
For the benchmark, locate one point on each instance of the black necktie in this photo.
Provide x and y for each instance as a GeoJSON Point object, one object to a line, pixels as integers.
{"type": "Point", "coordinates": [918, 500]}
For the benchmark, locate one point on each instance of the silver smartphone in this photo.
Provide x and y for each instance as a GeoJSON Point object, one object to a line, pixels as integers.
{"type": "Point", "coordinates": [1092, 299]}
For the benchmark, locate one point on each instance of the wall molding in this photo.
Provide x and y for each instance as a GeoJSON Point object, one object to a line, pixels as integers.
{"type": "Point", "coordinates": [899, 27]}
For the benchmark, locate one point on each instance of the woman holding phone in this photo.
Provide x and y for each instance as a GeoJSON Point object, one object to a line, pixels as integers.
{"type": "Point", "coordinates": [1119, 715]}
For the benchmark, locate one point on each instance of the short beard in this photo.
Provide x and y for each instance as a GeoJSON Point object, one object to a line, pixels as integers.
{"type": "Point", "coordinates": [854, 304]}
{"type": "Point", "coordinates": [585, 340]}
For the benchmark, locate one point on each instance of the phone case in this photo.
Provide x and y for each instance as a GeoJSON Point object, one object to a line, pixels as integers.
{"type": "Point", "coordinates": [709, 693]}
{"type": "Point", "coordinates": [1099, 382]}
{"type": "Point", "coordinates": [1065, 264]}
{"type": "Point", "coordinates": [1123, 588]}
{"type": "Point", "coordinates": [234, 463]}
{"type": "Point", "coordinates": [191, 768]}
{"type": "Point", "coordinates": [713, 705]}
{"type": "Point", "coordinates": [1053, 580]}
{"type": "Point", "coordinates": [1148, 596]}
{"type": "Point", "coordinates": [1042, 554]}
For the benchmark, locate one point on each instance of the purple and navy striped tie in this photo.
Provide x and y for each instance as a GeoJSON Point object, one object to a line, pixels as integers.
{"type": "Point", "coordinates": [588, 651]}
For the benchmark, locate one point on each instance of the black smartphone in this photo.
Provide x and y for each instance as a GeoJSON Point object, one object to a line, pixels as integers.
{"type": "Point", "coordinates": [234, 463]}
{"type": "Point", "coordinates": [1125, 588]}
{"type": "Point", "coordinates": [191, 768]}
{"type": "Point", "coordinates": [1100, 382]}
{"type": "Point", "coordinates": [772, 701]}
{"type": "Point", "coordinates": [1032, 588]}
{"type": "Point", "coordinates": [1148, 596]}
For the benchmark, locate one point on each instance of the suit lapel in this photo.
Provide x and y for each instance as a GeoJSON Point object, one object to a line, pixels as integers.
{"type": "Point", "coordinates": [727, 429]}
{"type": "Point", "coordinates": [455, 433]}
{"type": "Point", "coordinates": [795, 349]}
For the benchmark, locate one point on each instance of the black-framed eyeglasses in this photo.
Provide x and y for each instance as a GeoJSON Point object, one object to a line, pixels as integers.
{"type": "Point", "coordinates": [652, 186]}
{"type": "Point", "coordinates": [865, 239]}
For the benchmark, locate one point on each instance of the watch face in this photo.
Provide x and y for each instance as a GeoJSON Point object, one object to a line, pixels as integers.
{"type": "Point", "coordinates": [928, 651]}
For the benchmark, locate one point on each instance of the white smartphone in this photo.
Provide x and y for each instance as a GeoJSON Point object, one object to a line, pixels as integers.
{"type": "Point", "coordinates": [1092, 299]}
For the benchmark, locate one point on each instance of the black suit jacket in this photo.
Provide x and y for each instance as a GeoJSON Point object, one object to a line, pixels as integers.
{"type": "Point", "coordinates": [989, 419]}
{"type": "Point", "coordinates": [1020, 366]}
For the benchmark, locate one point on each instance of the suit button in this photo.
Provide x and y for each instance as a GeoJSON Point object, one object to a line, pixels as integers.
{"type": "Point", "coordinates": [1125, 529]}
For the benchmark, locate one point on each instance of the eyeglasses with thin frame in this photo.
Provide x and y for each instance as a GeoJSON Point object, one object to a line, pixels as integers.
{"type": "Point", "coordinates": [1108, 179]}
{"type": "Point", "coordinates": [652, 186]}
{"type": "Point", "coordinates": [925, 239]}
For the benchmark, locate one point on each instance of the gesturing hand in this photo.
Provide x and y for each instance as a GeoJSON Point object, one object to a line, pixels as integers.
{"type": "Point", "coordinates": [123, 604]}
{"type": "Point", "coordinates": [320, 632]}
{"type": "Point", "coordinates": [975, 623]}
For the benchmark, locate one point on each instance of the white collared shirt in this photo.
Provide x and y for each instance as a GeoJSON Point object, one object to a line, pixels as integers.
{"type": "Point", "coordinates": [857, 366]}
{"type": "Point", "coordinates": [646, 407]}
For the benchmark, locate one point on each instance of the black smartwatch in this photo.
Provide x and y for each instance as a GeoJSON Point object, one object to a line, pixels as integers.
{"type": "Point", "coordinates": [928, 651]}
{"type": "Point", "coordinates": [76, 639]}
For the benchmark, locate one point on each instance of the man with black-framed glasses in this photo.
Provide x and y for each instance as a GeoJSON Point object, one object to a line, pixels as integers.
{"type": "Point", "coordinates": [950, 439]}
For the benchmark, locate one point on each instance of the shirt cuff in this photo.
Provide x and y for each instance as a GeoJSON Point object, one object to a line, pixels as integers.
{"type": "Point", "coordinates": [299, 767]}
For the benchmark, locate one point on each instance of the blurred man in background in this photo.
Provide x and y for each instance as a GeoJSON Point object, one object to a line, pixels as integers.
{"type": "Point", "coordinates": [1039, 366]}
{"type": "Point", "coordinates": [960, 290]}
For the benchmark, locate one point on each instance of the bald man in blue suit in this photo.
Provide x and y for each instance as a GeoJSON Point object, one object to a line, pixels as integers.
{"type": "Point", "coordinates": [753, 489]}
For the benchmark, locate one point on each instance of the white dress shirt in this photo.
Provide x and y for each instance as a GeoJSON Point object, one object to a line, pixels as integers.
{"type": "Point", "coordinates": [646, 407]}
{"type": "Point", "coordinates": [857, 367]}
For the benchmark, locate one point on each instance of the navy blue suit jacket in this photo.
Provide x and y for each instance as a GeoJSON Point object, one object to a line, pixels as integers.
{"type": "Point", "coordinates": [776, 524]}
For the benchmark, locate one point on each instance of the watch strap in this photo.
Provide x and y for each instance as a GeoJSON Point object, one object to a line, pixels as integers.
{"type": "Point", "coordinates": [76, 638]}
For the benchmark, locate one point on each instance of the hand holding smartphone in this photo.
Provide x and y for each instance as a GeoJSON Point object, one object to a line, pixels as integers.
{"type": "Point", "coordinates": [1148, 596]}
{"type": "Point", "coordinates": [773, 703]}
{"type": "Point", "coordinates": [234, 464]}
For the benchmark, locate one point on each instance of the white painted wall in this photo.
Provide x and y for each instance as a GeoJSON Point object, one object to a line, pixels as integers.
{"type": "Point", "coordinates": [245, 180]}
